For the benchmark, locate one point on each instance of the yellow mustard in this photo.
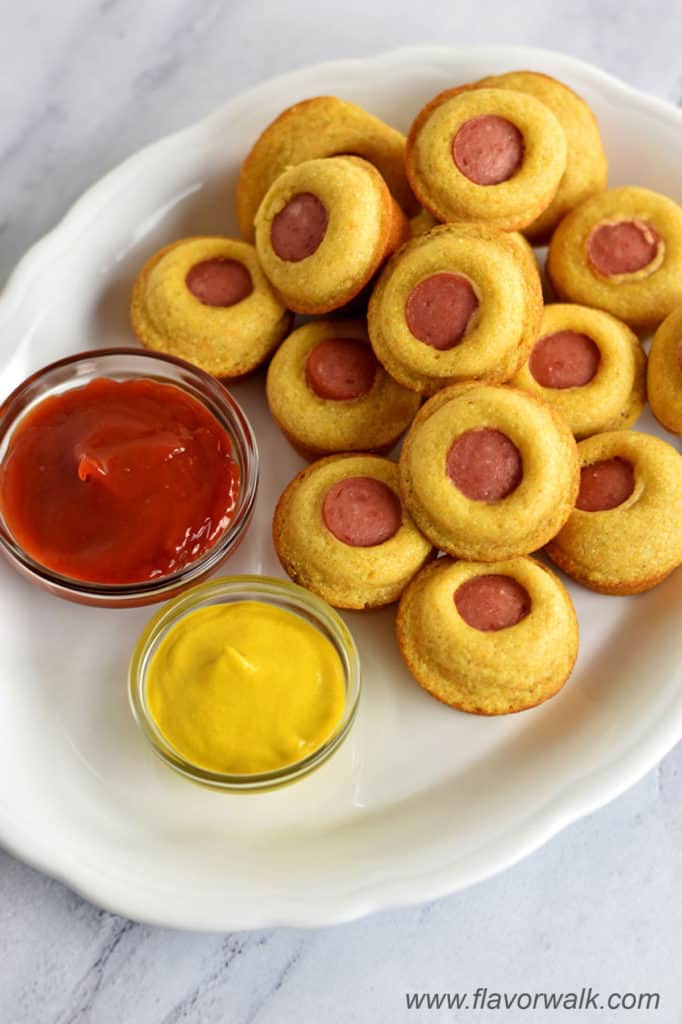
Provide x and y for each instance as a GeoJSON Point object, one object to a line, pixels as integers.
{"type": "Point", "coordinates": [245, 687]}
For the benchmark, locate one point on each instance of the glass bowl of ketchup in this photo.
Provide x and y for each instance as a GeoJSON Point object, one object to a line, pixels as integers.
{"type": "Point", "coordinates": [125, 476]}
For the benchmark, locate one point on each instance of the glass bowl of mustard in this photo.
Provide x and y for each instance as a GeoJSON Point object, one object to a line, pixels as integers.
{"type": "Point", "coordinates": [126, 476]}
{"type": "Point", "coordinates": [245, 683]}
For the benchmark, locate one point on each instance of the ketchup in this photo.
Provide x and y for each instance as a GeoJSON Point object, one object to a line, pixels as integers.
{"type": "Point", "coordinates": [118, 481]}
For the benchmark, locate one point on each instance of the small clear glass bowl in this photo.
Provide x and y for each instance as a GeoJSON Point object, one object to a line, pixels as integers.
{"type": "Point", "coordinates": [132, 364]}
{"type": "Point", "coordinates": [228, 590]}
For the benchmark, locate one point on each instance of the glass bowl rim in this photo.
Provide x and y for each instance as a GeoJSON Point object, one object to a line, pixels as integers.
{"type": "Point", "coordinates": [245, 587]}
{"type": "Point", "coordinates": [239, 429]}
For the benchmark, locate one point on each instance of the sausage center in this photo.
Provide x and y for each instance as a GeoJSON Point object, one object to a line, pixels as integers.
{"type": "Point", "coordinates": [341, 369]}
{"type": "Point", "coordinates": [484, 464]}
{"type": "Point", "coordinates": [438, 310]}
{"type": "Point", "coordinates": [622, 248]}
{"type": "Point", "coordinates": [361, 511]}
{"type": "Point", "coordinates": [219, 282]}
{"type": "Point", "coordinates": [605, 485]}
{"type": "Point", "coordinates": [565, 359]}
{"type": "Point", "coordinates": [492, 602]}
{"type": "Point", "coordinates": [488, 149]}
{"type": "Point", "coordinates": [299, 227]}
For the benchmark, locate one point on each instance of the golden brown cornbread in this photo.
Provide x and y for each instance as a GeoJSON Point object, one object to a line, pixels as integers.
{"type": "Point", "coordinates": [318, 426]}
{"type": "Point", "coordinates": [487, 673]}
{"type": "Point", "coordinates": [314, 128]}
{"type": "Point", "coordinates": [586, 165]}
{"type": "Point", "coordinates": [503, 272]}
{"type": "Point", "coordinates": [643, 298]}
{"type": "Point", "coordinates": [226, 341]}
{"type": "Point", "coordinates": [365, 225]}
{"type": "Point", "coordinates": [346, 576]}
{"type": "Point", "coordinates": [665, 373]}
{"type": "Point", "coordinates": [630, 548]}
{"type": "Point", "coordinates": [449, 195]}
{"type": "Point", "coordinates": [616, 395]}
{"type": "Point", "coordinates": [515, 525]}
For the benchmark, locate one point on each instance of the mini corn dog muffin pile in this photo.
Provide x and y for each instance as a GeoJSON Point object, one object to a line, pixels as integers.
{"type": "Point", "coordinates": [414, 256]}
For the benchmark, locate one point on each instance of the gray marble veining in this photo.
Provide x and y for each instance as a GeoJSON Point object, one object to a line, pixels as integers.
{"type": "Point", "coordinates": [84, 85]}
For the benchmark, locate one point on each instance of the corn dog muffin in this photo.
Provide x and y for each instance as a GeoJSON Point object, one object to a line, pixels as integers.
{"type": "Point", "coordinates": [488, 639]}
{"type": "Point", "coordinates": [490, 155]}
{"type": "Point", "coordinates": [460, 302]}
{"type": "Point", "coordinates": [207, 300]}
{"type": "Point", "coordinates": [665, 373]}
{"type": "Point", "coordinates": [625, 533]}
{"type": "Point", "coordinates": [322, 230]}
{"type": "Point", "coordinates": [328, 393]}
{"type": "Point", "coordinates": [586, 165]}
{"type": "Point", "coordinates": [314, 128]}
{"type": "Point", "coordinates": [589, 366]}
{"type": "Point", "coordinates": [621, 251]}
{"type": "Point", "coordinates": [488, 473]}
{"type": "Point", "coordinates": [341, 530]}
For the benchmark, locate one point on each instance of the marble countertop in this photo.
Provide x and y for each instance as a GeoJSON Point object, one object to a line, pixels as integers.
{"type": "Point", "coordinates": [86, 84]}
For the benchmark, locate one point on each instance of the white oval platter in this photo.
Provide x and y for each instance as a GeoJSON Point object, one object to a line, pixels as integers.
{"type": "Point", "coordinates": [422, 800]}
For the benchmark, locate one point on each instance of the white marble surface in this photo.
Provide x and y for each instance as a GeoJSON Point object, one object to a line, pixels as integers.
{"type": "Point", "coordinates": [84, 85]}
